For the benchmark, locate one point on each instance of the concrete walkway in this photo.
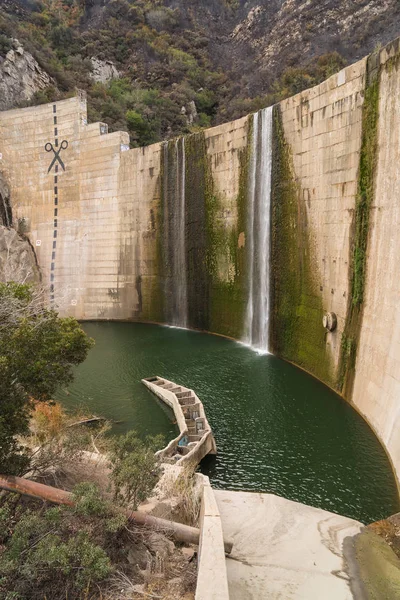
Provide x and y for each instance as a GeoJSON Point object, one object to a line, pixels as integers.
{"type": "Point", "coordinates": [282, 549]}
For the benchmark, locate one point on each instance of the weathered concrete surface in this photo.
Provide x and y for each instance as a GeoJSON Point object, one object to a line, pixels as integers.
{"type": "Point", "coordinates": [106, 262]}
{"type": "Point", "coordinates": [377, 375]}
{"type": "Point", "coordinates": [85, 225]}
{"type": "Point", "coordinates": [322, 127]}
{"type": "Point", "coordinates": [194, 429]}
{"type": "Point", "coordinates": [212, 580]}
{"type": "Point", "coordinates": [224, 146]}
{"type": "Point", "coordinates": [284, 549]}
{"type": "Point", "coordinates": [374, 567]}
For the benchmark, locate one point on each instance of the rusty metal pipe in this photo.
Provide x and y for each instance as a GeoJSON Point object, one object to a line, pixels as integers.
{"type": "Point", "coordinates": [181, 533]}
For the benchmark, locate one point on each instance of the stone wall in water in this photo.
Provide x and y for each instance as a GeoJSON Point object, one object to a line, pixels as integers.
{"type": "Point", "coordinates": [166, 233]}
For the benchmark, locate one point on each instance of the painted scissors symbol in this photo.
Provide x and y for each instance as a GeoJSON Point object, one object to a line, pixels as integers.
{"type": "Point", "coordinates": [50, 148]}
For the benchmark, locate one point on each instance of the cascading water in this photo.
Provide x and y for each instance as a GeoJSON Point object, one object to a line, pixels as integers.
{"type": "Point", "coordinates": [180, 296]}
{"type": "Point", "coordinates": [258, 233]}
{"type": "Point", "coordinates": [174, 243]}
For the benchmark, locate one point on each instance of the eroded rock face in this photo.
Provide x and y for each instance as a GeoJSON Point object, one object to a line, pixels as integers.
{"type": "Point", "coordinates": [190, 113]}
{"type": "Point", "coordinates": [17, 258]}
{"type": "Point", "coordinates": [289, 32]}
{"type": "Point", "coordinates": [103, 70]}
{"type": "Point", "coordinates": [20, 77]}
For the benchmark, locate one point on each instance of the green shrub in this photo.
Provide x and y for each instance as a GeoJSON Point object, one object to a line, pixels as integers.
{"type": "Point", "coordinates": [62, 37]}
{"type": "Point", "coordinates": [135, 468]}
{"type": "Point", "coordinates": [5, 44]}
{"type": "Point", "coordinates": [38, 350]}
{"type": "Point", "coordinates": [58, 552]}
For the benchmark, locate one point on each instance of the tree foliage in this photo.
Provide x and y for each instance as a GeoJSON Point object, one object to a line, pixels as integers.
{"type": "Point", "coordinates": [134, 467]}
{"type": "Point", "coordinates": [38, 350]}
{"type": "Point", "coordinates": [59, 552]}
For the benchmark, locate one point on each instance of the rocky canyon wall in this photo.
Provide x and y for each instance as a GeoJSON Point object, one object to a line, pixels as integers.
{"type": "Point", "coordinates": [162, 233]}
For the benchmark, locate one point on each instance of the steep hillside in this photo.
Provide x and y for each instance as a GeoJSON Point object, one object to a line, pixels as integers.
{"type": "Point", "coordinates": [164, 67]}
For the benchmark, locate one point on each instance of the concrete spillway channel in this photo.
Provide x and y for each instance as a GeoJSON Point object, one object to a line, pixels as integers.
{"type": "Point", "coordinates": [195, 439]}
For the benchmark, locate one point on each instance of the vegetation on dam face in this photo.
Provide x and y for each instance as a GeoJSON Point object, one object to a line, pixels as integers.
{"type": "Point", "coordinates": [214, 261]}
{"type": "Point", "coordinates": [360, 233]}
{"type": "Point", "coordinates": [297, 308]}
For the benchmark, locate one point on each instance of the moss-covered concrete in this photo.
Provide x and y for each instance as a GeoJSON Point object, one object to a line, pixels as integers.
{"type": "Point", "coordinates": [227, 247]}
{"type": "Point", "coordinates": [164, 225]}
{"type": "Point", "coordinates": [360, 233]}
{"type": "Point", "coordinates": [197, 245]}
{"type": "Point", "coordinates": [214, 245]}
{"type": "Point", "coordinates": [373, 567]}
{"type": "Point", "coordinates": [297, 310]}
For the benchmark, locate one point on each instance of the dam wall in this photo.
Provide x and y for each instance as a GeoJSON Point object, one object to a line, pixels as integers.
{"type": "Point", "coordinates": [317, 149]}
{"type": "Point", "coordinates": [98, 217]}
{"type": "Point", "coordinates": [376, 391]}
{"type": "Point", "coordinates": [164, 233]}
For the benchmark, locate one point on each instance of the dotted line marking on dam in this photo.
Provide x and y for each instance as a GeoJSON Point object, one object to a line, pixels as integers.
{"type": "Point", "coordinates": [56, 162]}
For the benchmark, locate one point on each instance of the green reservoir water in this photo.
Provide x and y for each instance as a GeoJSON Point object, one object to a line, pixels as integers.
{"type": "Point", "coordinates": [277, 429]}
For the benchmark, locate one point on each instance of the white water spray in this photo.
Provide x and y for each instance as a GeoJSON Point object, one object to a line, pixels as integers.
{"type": "Point", "coordinates": [258, 233]}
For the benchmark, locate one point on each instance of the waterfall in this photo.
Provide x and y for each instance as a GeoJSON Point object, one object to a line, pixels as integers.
{"type": "Point", "coordinates": [179, 276]}
{"type": "Point", "coordinates": [258, 233]}
{"type": "Point", "coordinates": [174, 236]}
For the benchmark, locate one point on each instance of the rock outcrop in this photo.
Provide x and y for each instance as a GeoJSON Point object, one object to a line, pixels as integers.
{"type": "Point", "coordinates": [20, 77]}
{"type": "Point", "coordinates": [282, 33]}
{"type": "Point", "coordinates": [190, 113]}
{"type": "Point", "coordinates": [17, 258]}
{"type": "Point", "coordinates": [103, 70]}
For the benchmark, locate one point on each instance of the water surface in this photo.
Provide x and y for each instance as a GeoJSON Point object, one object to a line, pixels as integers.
{"type": "Point", "coordinates": [277, 429]}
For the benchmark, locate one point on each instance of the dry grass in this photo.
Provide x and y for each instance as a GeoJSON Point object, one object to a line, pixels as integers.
{"type": "Point", "coordinates": [63, 447]}
{"type": "Point", "coordinates": [172, 578]}
{"type": "Point", "coordinates": [181, 486]}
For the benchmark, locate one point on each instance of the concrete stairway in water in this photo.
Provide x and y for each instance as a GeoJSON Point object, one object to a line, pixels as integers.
{"type": "Point", "coordinates": [195, 439]}
{"type": "Point", "coordinates": [187, 398]}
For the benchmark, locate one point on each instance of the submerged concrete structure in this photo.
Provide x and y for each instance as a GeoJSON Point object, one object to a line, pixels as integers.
{"type": "Point", "coordinates": [101, 219]}
{"type": "Point", "coordinates": [195, 439]}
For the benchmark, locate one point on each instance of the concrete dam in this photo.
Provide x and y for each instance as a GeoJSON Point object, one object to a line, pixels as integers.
{"type": "Point", "coordinates": [278, 229]}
